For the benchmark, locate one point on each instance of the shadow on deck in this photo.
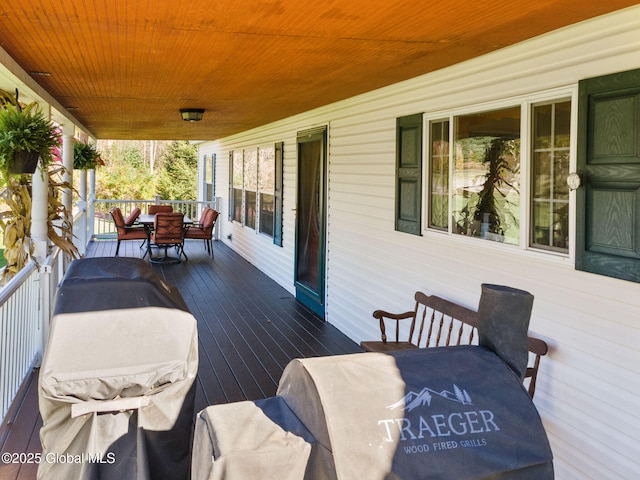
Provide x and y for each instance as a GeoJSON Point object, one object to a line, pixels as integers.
{"type": "Point", "coordinates": [249, 328]}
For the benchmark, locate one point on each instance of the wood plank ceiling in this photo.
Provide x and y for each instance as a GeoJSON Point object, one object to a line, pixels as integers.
{"type": "Point", "coordinates": [125, 68]}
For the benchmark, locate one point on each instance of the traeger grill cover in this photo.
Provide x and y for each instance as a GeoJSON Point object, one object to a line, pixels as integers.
{"type": "Point", "coordinates": [439, 413]}
{"type": "Point", "coordinates": [116, 386]}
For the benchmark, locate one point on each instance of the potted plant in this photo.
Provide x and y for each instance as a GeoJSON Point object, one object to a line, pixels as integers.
{"type": "Point", "coordinates": [24, 128]}
{"type": "Point", "coordinates": [85, 156]}
{"type": "Point", "coordinates": [25, 136]}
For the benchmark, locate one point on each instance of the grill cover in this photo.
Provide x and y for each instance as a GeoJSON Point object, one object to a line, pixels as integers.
{"type": "Point", "coordinates": [260, 440]}
{"type": "Point", "coordinates": [92, 284]}
{"type": "Point", "coordinates": [440, 413]}
{"type": "Point", "coordinates": [116, 386]}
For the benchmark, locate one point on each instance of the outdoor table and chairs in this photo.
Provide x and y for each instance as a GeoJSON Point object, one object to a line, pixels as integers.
{"type": "Point", "coordinates": [165, 230]}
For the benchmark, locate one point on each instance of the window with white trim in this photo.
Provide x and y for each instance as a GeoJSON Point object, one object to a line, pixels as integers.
{"type": "Point", "coordinates": [550, 148]}
{"type": "Point", "coordinates": [237, 185]}
{"type": "Point", "coordinates": [477, 173]}
{"type": "Point", "coordinates": [250, 187]}
{"type": "Point", "coordinates": [266, 187]}
{"type": "Point", "coordinates": [256, 189]}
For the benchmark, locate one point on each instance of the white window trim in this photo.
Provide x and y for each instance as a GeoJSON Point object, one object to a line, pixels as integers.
{"type": "Point", "coordinates": [243, 222]}
{"type": "Point", "coordinates": [271, 146]}
{"type": "Point", "coordinates": [526, 102]}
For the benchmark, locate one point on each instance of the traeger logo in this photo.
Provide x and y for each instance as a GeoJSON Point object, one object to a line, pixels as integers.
{"type": "Point", "coordinates": [451, 429]}
{"type": "Point", "coordinates": [414, 400]}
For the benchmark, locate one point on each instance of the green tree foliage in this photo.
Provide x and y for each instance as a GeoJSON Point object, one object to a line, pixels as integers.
{"type": "Point", "coordinates": [177, 179]}
{"type": "Point", "coordinates": [124, 175]}
{"type": "Point", "coordinates": [136, 170]}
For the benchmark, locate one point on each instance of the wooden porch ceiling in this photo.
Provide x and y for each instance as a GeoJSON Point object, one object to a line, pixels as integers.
{"type": "Point", "coordinates": [124, 69]}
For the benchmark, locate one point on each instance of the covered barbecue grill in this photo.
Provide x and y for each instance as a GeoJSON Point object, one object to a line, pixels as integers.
{"type": "Point", "coordinates": [454, 412]}
{"type": "Point", "coordinates": [117, 379]}
{"type": "Point", "coordinates": [443, 413]}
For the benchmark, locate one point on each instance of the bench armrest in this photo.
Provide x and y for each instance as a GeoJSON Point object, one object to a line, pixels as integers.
{"type": "Point", "coordinates": [381, 315]}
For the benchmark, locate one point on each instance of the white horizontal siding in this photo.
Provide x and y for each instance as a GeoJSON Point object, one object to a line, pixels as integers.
{"type": "Point", "coordinates": [588, 391]}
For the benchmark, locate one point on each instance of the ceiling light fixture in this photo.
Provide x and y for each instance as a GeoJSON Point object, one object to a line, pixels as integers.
{"type": "Point", "coordinates": [191, 114]}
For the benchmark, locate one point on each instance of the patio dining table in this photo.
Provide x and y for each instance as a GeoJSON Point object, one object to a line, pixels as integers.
{"type": "Point", "coordinates": [147, 220]}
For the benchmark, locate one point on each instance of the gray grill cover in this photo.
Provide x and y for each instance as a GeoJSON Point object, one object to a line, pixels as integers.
{"type": "Point", "coordinates": [116, 387]}
{"type": "Point", "coordinates": [92, 284]}
{"type": "Point", "coordinates": [260, 440]}
{"type": "Point", "coordinates": [440, 413]}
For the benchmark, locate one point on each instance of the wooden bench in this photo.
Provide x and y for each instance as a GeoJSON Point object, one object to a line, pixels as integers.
{"type": "Point", "coordinates": [436, 322]}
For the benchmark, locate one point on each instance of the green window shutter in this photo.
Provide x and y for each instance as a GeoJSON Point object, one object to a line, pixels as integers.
{"type": "Point", "coordinates": [409, 174]}
{"type": "Point", "coordinates": [608, 202]}
{"type": "Point", "coordinates": [231, 196]}
{"type": "Point", "coordinates": [277, 227]}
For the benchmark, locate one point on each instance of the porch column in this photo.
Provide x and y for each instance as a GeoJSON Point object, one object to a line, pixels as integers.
{"type": "Point", "coordinates": [68, 131]}
{"type": "Point", "coordinates": [81, 224]}
{"type": "Point", "coordinates": [82, 190]}
{"type": "Point", "coordinates": [91, 207]}
{"type": "Point", "coordinates": [39, 207]}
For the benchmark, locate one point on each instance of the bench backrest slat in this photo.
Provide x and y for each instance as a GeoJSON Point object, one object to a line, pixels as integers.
{"type": "Point", "coordinates": [448, 323]}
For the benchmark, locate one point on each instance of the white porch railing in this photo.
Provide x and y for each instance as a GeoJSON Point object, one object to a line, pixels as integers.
{"type": "Point", "coordinates": [103, 226]}
{"type": "Point", "coordinates": [24, 304]}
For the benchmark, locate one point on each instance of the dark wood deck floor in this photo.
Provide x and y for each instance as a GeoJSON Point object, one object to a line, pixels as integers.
{"type": "Point", "coordinates": [249, 328]}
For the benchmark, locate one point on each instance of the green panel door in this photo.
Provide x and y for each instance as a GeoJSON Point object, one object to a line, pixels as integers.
{"type": "Point", "coordinates": [608, 204]}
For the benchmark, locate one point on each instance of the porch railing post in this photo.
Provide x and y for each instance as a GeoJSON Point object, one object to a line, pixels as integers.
{"type": "Point", "coordinates": [216, 229]}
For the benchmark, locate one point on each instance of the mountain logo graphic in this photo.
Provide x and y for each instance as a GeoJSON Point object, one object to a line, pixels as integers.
{"type": "Point", "coordinates": [414, 400]}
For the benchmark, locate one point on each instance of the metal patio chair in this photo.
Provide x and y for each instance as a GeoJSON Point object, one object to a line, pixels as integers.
{"type": "Point", "coordinates": [203, 230]}
{"type": "Point", "coordinates": [168, 231]}
{"type": "Point", "coordinates": [124, 231]}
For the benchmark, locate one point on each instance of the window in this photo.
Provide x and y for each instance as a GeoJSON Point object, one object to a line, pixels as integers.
{"type": "Point", "coordinates": [255, 191]}
{"type": "Point", "coordinates": [267, 186]}
{"type": "Point", "coordinates": [209, 185]}
{"type": "Point", "coordinates": [250, 187]}
{"type": "Point", "coordinates": [476, 172]}
{"type": "Point", "coordinates": [486, 175]}
{"type": "Point", "coordinates": [550, 168]}
{"type": "Point", "coordinates": [237, 185]}
{"type": "Point", "coordinates": [439, 175]}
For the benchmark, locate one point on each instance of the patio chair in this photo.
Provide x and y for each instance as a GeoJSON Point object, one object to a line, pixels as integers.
{"type": "Point", "coordinates": [133, 216]}
{"type": "Point", "coordinates": [203, 230]}
{"type": "Point", "coordinates": [168, 231]}
{"type": "Point", "coordinates": [153, 209]}
{"type": "Point", "coordinates": [131, 219]}
{"type": "Point", "coordinates": [124, 231]}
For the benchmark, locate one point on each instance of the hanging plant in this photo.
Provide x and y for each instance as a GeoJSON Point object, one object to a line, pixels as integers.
{"type": "Point", "coordinates": [24, 128]}
{"type": "Point", "coordinates": [85, 156]}
{"type": "Point", "coordinates": [25, 136]}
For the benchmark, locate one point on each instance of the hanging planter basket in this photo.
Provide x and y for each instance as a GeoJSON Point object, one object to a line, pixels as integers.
{"type": "Point", "coordinates": [23, 162]}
